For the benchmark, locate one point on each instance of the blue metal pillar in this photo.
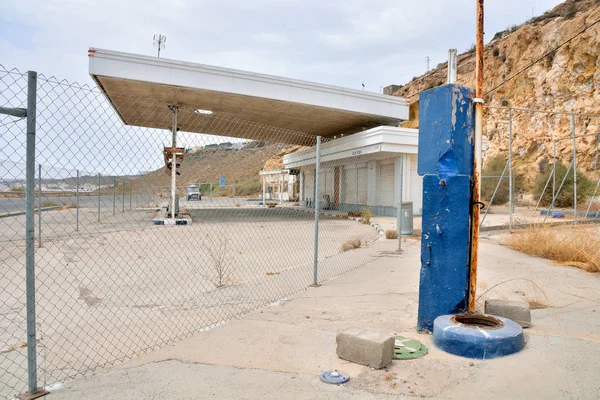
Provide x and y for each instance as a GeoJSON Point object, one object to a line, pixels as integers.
{"type": "Point", "coordinates": [446, 136]}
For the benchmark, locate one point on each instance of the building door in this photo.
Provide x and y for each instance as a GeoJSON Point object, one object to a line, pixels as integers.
{"type": "Point", "coordinates": [386, 185]}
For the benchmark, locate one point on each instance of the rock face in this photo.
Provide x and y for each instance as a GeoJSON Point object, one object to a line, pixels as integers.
{"type": "Point", "coordinates": [566, 80]}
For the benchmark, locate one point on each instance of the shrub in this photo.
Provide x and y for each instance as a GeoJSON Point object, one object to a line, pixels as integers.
{"type": "Point", "coordinates": [574, 247]}
{"type": "Point", "coordinates": [352, 244]}
{"type": "Point", "coordinates": [566, 195]}
{"type": "Point", "coordinates": [366, 215]}
{"type": "Point", "coordinates": [496, 52]}
{"type": "Point", "coordinates": [503, 57]}
{"type": "Point", "coordinates": [569, 11]}
{"type": "Point", "coordinates": [391, 234]}
{"type": "Point", "coordinates": [494, 167]}
{"type": "Point", "coordinates": [471, 49]}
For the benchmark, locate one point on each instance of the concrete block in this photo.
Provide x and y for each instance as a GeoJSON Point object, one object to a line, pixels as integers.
{"type": "Point", "coordinates": [517, 311]}
{"type": "Point", "coordinates": [370, 348]}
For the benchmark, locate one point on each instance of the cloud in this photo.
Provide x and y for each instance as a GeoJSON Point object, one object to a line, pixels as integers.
{"type": "Point", "coordinates": [340, 42]}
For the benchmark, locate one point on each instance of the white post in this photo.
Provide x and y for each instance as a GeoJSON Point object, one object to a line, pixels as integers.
{"type": "Point", "coordinates": [264, 199]}
{"type": "Point", "coordinates": [452, 66]}
{"type": "Point", "coordinates": [174, 162]}
{"type": "Point", "coordinates": [281, 188]}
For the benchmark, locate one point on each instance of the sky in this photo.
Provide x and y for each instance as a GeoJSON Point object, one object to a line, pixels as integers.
{"type": "Point", "coordinates": [339, 42]}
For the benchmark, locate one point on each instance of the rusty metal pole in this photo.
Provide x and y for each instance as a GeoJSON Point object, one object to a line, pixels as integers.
{"type": "Point", "coordinates": [477, 159]}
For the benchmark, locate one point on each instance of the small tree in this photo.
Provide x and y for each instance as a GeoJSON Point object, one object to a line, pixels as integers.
{"type": "Point", "coordinates": [566, 195]}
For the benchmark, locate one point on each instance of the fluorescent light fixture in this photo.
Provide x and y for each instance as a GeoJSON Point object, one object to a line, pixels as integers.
{"type": "Point", "coordinates": [206, 112]}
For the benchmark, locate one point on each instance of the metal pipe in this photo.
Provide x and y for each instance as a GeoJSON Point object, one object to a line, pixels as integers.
{"type": "Point", "coordinates": [39, 205]}
{"type": "Point", "coordinates": [29, 233]}
{"type": "Point", "coordinates": [494, 194]}
{"type": "Point", "coordinates": [123, 183]}
{"type": "Point", "coordinates": [98, 197]}
{"type": "Point", "coordinates": [130, 193]}
{"type": "Point", "coordinates": [452, 66]}
{"type": "Point", "coordinates": [544, 191]}
{"type": "Point", "coordinates": [114, 194]}
{"type": "Point", "coordinates": [317, 212]}
{"type": "Point", "coordinates": [558, 191]}
{"type": "Point", "coordinates": [211, 193]}
{"type": "Point", "coordinates": [77, 204]}
{"type": "Point", "coordinates": [510, 172]}
{"type": "Point", "coordinates": [574, 169]}
{"type": "Point", "coordinates": [14, 112]}
{"type": "Point", "coordinates": [477, 157]}
{"type": "Point", "coordinates": [577, 136]}
{"type": "Point", "coordinates": [592, 200]}
{"type": "Point", "coordinates": [541, 111]}
{"type": "Point", "coordinates": [174, 110]}
{"type": "Point", "coordinates": [399, 207]}
{"type": "Point", "coordinates": [553, 171]}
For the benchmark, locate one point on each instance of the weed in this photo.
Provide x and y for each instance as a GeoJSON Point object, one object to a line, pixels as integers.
{"type": "Point", "coordinates": [220, 258]}
{"type": "Point", "coordinates": [573, 247]}
{"type": "Point", "coordinates": [366, 215]}
{"type": "Point", "coordinates": [352, 244]}
{"type": "Point", "coordinates": [391, 234]}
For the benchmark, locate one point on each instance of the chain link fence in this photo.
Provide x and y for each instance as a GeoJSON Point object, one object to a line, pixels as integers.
{"type": "Point", "coordinates": [542, 166]}
{"type": "Point", "coordinates": [110, 282]}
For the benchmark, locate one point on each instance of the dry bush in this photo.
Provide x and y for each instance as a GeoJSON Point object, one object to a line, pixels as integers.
{"type": "Point", "coordinates": [221, 259]}
{"type": "Point", "coordinates": [352, 244]}
{"type": "Point", "coordinates": [366, 215]}
{"type": "Point", "coordinates": [391, 234]}
{"type": "Point", "coordinates": [574, 247]}
{"type": "Point", "coordinates": [69, 205]}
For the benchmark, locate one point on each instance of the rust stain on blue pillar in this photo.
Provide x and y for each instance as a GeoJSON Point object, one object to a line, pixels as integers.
{"type": "Point", "coordinates": [446, 128]}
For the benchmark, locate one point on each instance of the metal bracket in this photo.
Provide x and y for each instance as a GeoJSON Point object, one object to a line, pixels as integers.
{"type": "Point", "coordinates": [478, 100]}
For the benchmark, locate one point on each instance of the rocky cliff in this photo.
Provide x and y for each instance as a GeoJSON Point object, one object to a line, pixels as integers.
{"type": "Point", "coordinates": [566, 80]}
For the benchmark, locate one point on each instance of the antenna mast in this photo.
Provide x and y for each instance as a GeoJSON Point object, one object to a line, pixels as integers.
{"type": "Point", "coordinates": [159, 41]}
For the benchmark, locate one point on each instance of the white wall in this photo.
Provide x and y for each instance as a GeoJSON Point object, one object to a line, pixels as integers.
{"type": "Point", "coordinates": [412, 187]}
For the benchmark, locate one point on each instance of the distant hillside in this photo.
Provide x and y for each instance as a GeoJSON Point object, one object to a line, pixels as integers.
{"type": "Point", "coordinates": [240, 166]}
{"type": "Point", "coordinates": [568, 80]}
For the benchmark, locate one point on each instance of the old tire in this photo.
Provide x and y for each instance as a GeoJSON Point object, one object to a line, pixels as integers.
{"type": "Point", "coordinates": [478, 341]}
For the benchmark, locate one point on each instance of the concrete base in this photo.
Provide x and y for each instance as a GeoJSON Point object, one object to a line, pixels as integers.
{"type": "Point", "coordinates": [369, 348]}
{"type": "Point", "coordinates": [517, 311]}
{"type": "Point", "coordinates": [163, 219]}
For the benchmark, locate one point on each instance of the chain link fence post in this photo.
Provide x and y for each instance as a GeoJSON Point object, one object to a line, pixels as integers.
{"type": "Point", "coordinates": [510, 172]}
{"type": "Point", "coordinates": [98, 197]}
{"type": "Point", "coordinates": [39, 205]}
{"type": "Point", "coordinates": [574, 169]}
{"type": "Point", "coordinates": [317, 212]}
{"type": "Point", "coordinates": [29, 234]}
{"type": "Point", "coordinates": [77, 203]}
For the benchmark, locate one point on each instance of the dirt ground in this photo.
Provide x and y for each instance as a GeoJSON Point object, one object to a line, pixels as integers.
{"type": "Point", "coordinates": [278, 351]}
{"type": "Point", "coordinates": [123, 286]}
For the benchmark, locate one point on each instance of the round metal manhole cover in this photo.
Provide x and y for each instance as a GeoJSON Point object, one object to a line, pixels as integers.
{"type": "Point", "coordinates": [408, 349]}
{"type": "Point", "coordinates": [335, 377]}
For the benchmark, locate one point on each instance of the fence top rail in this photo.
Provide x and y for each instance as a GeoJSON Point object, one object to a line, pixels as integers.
{"type": "Point", "coordinates": [576, 136]}
{"type": "Point", "coordinates": [543, 111]}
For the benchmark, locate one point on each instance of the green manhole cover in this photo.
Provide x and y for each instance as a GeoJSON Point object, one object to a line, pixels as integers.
{"type": "Point", "coordinates": [406, 348]}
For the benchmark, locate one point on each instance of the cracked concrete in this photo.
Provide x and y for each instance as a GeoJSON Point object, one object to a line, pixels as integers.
{"type": "Point", "coordinates": [278, 351]}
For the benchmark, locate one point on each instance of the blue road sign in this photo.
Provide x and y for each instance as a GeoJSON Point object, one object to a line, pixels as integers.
{"type": "Point", "coordinates": [222, 181]}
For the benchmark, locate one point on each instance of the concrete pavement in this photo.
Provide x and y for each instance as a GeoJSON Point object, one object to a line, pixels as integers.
{"type": "Point", "coordinates": [278, 351]}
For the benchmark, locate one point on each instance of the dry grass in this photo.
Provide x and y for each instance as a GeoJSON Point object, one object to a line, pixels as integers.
{"type": "Point", "coordinates": [352, 244]}
{"type": "Point", "coordinates": [391, 234]}
{"type": "Point", "coordinates": [577, 247]}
